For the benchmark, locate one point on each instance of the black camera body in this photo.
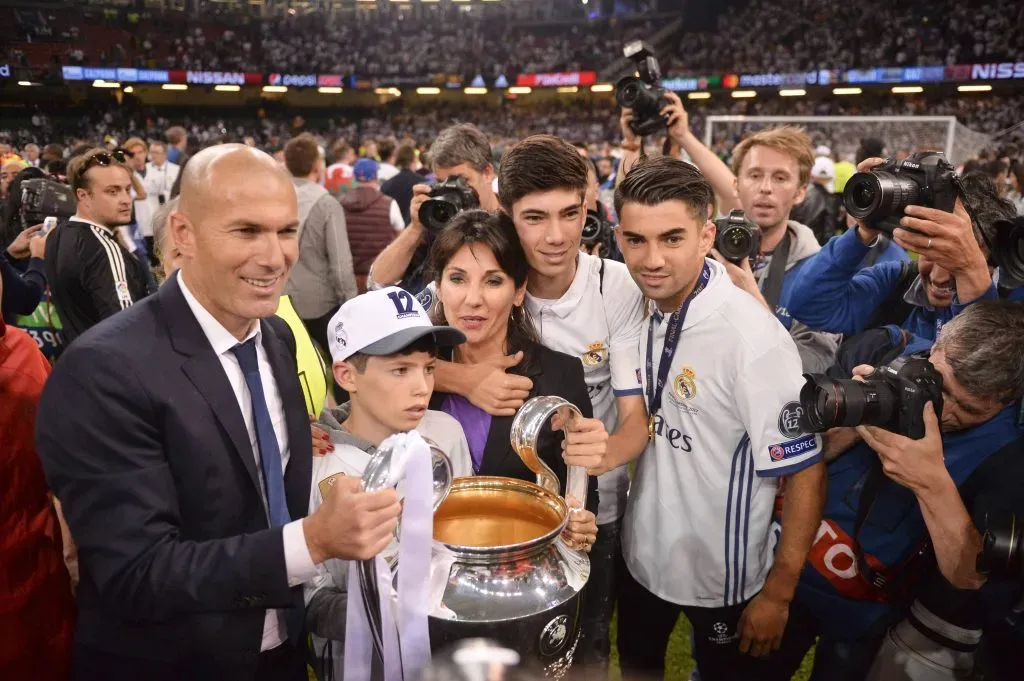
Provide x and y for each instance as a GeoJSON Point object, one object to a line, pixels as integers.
{"type": "Point", "coordinates": [642, 94]}
{"type": "Point", "coordinates": [597, 230]}
{"type": "Point", "coordinates": [42, 197]}
{"type": "Point", "coordinates": [1002, 553]}
{"type": "Point", "coordinates": [879, 197]}
{"type": "Point", "coordinates": [447, 199]}
{"type": "Point", "coordinates": [736, 237]}
{"type": "Point", "coordinates": [892, 398]}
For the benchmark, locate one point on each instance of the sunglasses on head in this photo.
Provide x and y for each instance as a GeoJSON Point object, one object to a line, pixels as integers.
{"type": "Point", "coordinates": [105, 158]}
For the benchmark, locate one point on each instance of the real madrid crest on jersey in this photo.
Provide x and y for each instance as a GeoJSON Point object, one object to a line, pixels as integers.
{"type": "Point", "coordinates": [684, 386]}
{"type": "Point", "coordinates": [596, 353]}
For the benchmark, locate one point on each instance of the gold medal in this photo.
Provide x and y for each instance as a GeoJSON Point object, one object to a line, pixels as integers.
{"type": "Point", "coordinates": [650, 429]}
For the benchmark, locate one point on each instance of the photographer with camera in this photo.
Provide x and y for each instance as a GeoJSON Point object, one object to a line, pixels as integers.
{"type": "Point", "coordinates": [931, 429]}
{"type": "Point", "coordinates": [460, 152]}
{"type": "Point", "coordinates": [910, 300]}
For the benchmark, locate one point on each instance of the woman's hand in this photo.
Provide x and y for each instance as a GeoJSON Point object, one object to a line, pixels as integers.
{"type": "Point", "coordinates": [581, 532]}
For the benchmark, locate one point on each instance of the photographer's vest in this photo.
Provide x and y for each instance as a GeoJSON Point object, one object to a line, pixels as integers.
{"type": "Point", "coordinates": [368, 221]}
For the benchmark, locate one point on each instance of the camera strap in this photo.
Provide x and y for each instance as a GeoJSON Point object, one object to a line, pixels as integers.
{"type": "Point", "coordinates": [868, 495]}
{"type": "Point", "coordinates": [777, 272]}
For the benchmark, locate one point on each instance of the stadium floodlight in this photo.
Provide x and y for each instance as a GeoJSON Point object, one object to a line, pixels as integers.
{"type": "Point", "coordinates": [475, 90]}
{"type": "Point", "coordinates": [568, 89]}
{"type": "Point", "coordinates": [227, 88]}
{"type": "Point", "coordinates": [743, 94]}
{"type": "Point", "coordinates": [275, 88]}
{"type": "Point", "coordinates": [699, 95]}
{"type": "Point", "coordinates": [329, 90]}
{"type": "Point", "coordinates": [974, 88]}
{"type": "Point", "coordinates": [129, 89]}
{"type": "Point", "coordinates": [28, 83]}
{"type": "Point", "coordinates": [428, 90]}
{"type": "Point", "coordinates": [602, 87]}
{"type": "Point", "coordinates": [907, 90]}
{"type": "Point", "coordinates": [173, 86]}
{"type": "Point", "coordinates": [519, 90]}
{"type": "Point", "coordinates": [105, 83]}
{"type": "Point", "coordinates": [846, 91]}
{"type": "Point", "coordinates": [792, 93]}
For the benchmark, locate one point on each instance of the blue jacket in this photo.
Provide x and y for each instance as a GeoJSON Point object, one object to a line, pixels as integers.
{"type": "Point", "coordinates": [833, 294]}
{"type": "Point", "coordinates": [830, 585]}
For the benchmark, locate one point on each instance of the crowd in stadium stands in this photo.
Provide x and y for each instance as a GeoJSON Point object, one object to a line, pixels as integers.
{"type": "Point", "coordinates": [786, 36]}
{"type": "Point", "coordinates": [592, 121]}
{"type": "Point", "coordinates": [753, 37]}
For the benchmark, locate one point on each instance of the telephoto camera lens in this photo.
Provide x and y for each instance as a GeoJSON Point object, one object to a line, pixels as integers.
{"type": "Point", "coordinates": [1002, 552]}
{"type": "Point", "coordinates": [591, 229]}
{"type": "Point", "coordinates": [829, 403]}
{"type": "Point", "coordinates": [877, 195]}
{"type": "Point", "coordinates": [436, 213]}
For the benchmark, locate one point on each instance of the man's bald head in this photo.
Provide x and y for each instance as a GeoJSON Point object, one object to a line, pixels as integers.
{"type": "Point", "coordinates": [214, 175]}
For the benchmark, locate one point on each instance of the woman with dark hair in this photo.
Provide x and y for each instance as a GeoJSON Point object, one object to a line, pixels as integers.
{"type": "Point", "coordinates": [479, 269]}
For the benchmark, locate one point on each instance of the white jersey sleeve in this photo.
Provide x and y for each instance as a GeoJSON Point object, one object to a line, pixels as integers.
{"type": "Point", "coordinates": [767, 398]}
{"type": "Point", "coordinates": [624, 307]}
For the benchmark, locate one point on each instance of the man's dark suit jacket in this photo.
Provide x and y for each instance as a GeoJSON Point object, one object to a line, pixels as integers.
{"type": "Point", "coordinates": [552, 373]}
{"type": "Point", "coordinates": [144, 443]}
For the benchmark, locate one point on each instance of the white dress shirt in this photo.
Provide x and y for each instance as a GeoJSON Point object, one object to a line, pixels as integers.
{"type": "Point", "coordinates": [298, 563]}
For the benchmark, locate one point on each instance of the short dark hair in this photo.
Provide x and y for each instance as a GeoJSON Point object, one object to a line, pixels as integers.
{"type": "Point", "coordinates": [53, 152]}
{"type": "Point", "coordinates": [386, 147]}
{"type": "Point", "coordinates": [301, 154]}
{"type": "Point", "coordinates": [659, 179]}
{"type": "Point", "coordinates": [405, 156]}
{"type": "Point", "coordinates": [176, 134]}
{"type": "Point", "coordinates": [81, 165]}
{"type": "Point", "coordinates": [359, 360]}
{"type": "Point", "coordinates": [498, 234]}
{"type": "Point", "coordinates": [540, 163]}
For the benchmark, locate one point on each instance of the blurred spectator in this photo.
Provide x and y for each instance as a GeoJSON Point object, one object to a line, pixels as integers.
{"type": "Point", "coordinates": [386, 149]}
{"type": "Point", "coordinates": [32, 155]}
{"type": "Point", "coordinates": [37, 611]}
{"type": "Point", "coordinates": [400, 186]}
{"type": "Point", "coordinates": [322, 278]}
{"type": "Point", "coordinates": [373, 219]}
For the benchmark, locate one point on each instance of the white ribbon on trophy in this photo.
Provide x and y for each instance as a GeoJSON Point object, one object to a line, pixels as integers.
{"type": "Point", "coordinates": [380, 621]}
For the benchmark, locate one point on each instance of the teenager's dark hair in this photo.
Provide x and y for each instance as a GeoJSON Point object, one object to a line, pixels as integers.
{"type": "Point", "coordinates": [540, 163]}
{"type": "Point", "coordinates": [498, 234]}
{"type": "Point", "coordinates": [425, 344]}
{"type": "Point", "coordinates": [659, 179]}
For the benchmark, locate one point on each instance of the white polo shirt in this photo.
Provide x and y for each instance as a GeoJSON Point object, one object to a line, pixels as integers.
{"type": "Point", "coordinates": [603, 330]}
{"type": "Point", "coordinates": [696, 530]}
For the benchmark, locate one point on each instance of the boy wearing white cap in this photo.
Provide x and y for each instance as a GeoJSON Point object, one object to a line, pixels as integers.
{"type": "Point", "coordinates": [383, 347]}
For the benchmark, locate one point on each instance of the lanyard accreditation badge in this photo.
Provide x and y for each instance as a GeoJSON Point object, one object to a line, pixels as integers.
{"type": "Point", "coordinates": [675, 326]}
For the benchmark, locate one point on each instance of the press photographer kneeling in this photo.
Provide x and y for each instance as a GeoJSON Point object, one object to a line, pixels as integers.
{"type": "Point", "coordinates": [941, 440]}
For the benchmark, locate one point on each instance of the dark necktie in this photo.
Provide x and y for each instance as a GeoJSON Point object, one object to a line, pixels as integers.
{"type": "Point", "coordinates": [270, 453]}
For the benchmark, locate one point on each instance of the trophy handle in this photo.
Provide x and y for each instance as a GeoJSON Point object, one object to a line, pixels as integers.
{"type": "Point", "coordinates": [527, 426]}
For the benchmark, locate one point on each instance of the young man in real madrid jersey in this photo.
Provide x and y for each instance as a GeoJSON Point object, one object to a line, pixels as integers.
{"type": "Point", "coordinates": [721, 378]}
{"type": "Point", "coordinates": [583, 306]}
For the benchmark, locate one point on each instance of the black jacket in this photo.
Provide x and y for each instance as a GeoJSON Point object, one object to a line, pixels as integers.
{"type": "Point", "coordinates": [142, 439]}
{"type": "Point", "coordinates": [91, 276]}
{"type": "Point", "coordinates": [552, 373]}
{"type": "Point", "coordinates": [400, 187]}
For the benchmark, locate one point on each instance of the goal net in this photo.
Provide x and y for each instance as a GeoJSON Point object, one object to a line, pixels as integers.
{"type": "Point", "coordinates": [842, 134]}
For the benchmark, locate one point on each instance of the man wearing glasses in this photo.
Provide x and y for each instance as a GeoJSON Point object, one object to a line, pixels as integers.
{"type": "Point", "coordinates": [92, 274]}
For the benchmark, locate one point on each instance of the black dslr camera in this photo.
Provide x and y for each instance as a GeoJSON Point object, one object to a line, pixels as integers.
{"type": "Point", "coordinates": [447, 199]}
{"type": "Point", "coordinates": [737, 237]}
{"type": "Point", "coordinates": [597, 230]}
{"type": "Point", "coordinates": [892, 398]}
{"type": "Point", "coordinates": [42, 197]}
{"type": "Point", "coordinates": [879, 196]}
{"type": "Point", "coordinates": [643, 94]}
